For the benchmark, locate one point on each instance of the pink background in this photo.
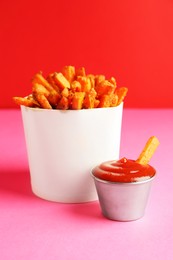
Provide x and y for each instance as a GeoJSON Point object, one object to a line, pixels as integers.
{"type": "Point", "coordinates": [131, 40]}
{"type": "Point", "coordinates": [31, 228]}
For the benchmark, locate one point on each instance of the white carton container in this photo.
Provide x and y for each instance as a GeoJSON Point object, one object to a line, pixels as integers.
{"type": "Point", "coordinates": [63, 147]}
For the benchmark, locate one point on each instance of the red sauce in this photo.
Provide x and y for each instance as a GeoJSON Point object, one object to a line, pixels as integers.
{"type": "Point", "coordinates": [123, 170]}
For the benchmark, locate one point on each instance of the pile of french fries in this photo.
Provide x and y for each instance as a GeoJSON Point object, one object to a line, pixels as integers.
{"type": "Point", "coordinates": [72, 89]}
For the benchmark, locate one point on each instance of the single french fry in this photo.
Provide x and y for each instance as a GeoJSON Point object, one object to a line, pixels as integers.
{"type": "Point", "coordinates": [96, 103]}
{"type": "Point", "coordinates": [113, 81]}
{"type": "Point", "coordinates": [104, 88]}
{"type": "Point", "coordinates": [69, 73]}
{"type": "Point", "coordinates": [65, 92]}
{"type": "Point", "coordinates": [99, 79]}
{"type": "Point", "coordinates": [104, 101]}
{"type": "Point", "coordinates": [63, 103]}
{"type": "Point", "coordinates": [85, 83]}
{"type": "Point", "coordinates": [54, 98]}
{"type": "Point", "coordinates": [148, 150]}
{"type": "Point", "coordinates": [23, 101]}
{"type": "Point", "coordinates": [38, 78]}
{"type": "Point", "coordinates": [92, 80]}
{"type": "Point", "coordinates": [42, 100]}
{"type": "Point", "coordinates": [61, 81]}
{"type": "Point", "coordinates": [77, 100]}
{"type": "Point", "coordinates": [80, 72]}
{"type": "Point", "coordinates": [39, 89]}
{"type": "Point", "coordinates": [76, 86]}
{"type": "Point", "coordinates": [50, 79]}
{"type": "Point", "coordinates": [70, 98]}
{"type": "Point", "coordinates": [89, 100]}
{"type": "Point", "coordinates": [121, 92]}
{"type": "Point", "coordinates": [113, 100]}
{"type": "Point", "coordinates": [35, 103]}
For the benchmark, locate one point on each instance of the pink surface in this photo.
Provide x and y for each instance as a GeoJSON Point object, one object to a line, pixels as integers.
{"type": "Point", "coordinates": [31, 228]}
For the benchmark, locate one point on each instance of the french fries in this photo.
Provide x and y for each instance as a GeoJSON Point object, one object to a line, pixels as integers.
{"type": "Point", "coordinates": [77, 100]}
{"type": "Point", "coordinates": [28, 101]}
{"type": "Point", "coordinates": [72, 89]}
{"type": "Point", "coordinates": [148, 150]}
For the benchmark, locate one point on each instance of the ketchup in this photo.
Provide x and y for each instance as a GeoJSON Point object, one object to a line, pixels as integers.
{"type": "Point", "coordinates": [123, 170]}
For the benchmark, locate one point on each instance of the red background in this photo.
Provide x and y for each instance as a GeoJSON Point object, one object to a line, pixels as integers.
{"type": "Point", "coordinates": [129, 39]}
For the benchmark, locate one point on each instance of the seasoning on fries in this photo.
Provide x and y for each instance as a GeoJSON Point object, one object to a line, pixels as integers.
{"type": "Point", "coordinates": [72, 89]}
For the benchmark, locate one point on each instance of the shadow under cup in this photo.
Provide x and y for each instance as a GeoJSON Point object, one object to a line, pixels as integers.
{"type": "Point", "coordinates": [63, 146]}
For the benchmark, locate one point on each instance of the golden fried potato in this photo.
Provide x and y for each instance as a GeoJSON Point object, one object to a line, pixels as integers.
{"type": "Point", "coordinates": [99, 79]}
{"type": "Point", "coordinates": [63, 103]}
{"type": "Point", "coordinates": [77, 100]}
{"type": "Point", "coordinates": [104, 88]}
{"type": "Point", "coordinates": [113, 100]}
{"type": "Point", "coordinates": [92, 80]}
{"type": "Point", "coordinates": [50, 79]}
{"type": "Point", "coordinates": [61, 81]}
{"type": "Point", "coordinates": [35, 103]}
{"type": "Point", "coordinates": [73, 89]}
{"type": "Point", "coordinates": [104, 101]}
{"type": "Point", "coordinates": [148, 150]}
{"type": "Point", "coordinates": [113, 81]}
{"type": "Point", "coordinates": [40, 89]}
{"type": "Point", "coordinates": [42, 100]}
{"type": "Point", "coordinates": [96, 103]}
{"type": "Point", "coordinates": [80, 72]}
{"type": "Point", "coordinates": [69, 73]}
{"type": "Point", "coordinates": [38, 78]}
{"type": "Point", "coordinates": [85, 83]}
{"type": "Point", "coordinates": [28, 102]}
{"type": "Point", "coordinates": [65, 92]}
{"type": "Point", "coordinates": [76, 86]}
{"type": "Point", "coordinates": [54, 98]}
{"type": "Point", "coordinates": [121, 93]}
{"type": "Point", "coordinates": [90, 98]}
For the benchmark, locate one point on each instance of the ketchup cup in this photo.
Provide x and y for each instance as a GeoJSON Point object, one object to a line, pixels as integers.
{"type": "Point", "coordinates": [123, 201]}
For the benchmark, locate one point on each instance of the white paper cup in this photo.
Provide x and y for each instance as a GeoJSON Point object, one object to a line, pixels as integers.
{"type": "Point", "coordinates": [63, 146]}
